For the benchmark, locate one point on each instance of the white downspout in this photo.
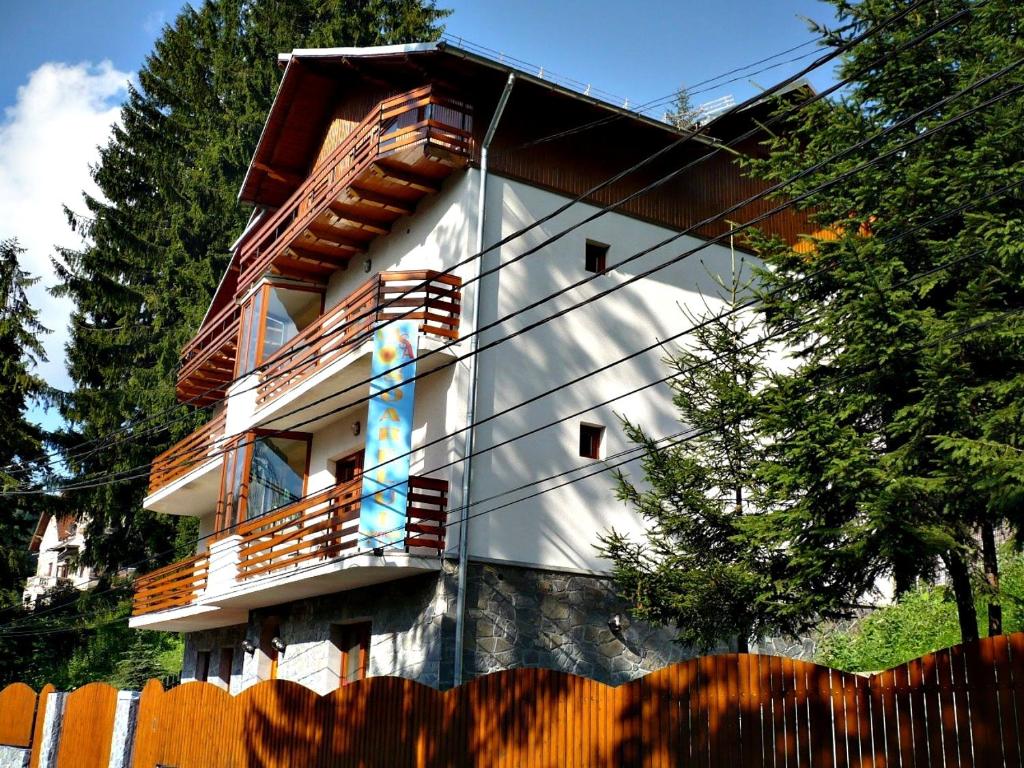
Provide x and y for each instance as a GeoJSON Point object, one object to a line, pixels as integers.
{"type": "Point", "coordinates": [460, 597]}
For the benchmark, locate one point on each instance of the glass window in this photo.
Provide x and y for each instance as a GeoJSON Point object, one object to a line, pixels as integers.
{"type": "Point", "coordinates": [250, 333]}
{"type": "Point", "coordinates": [288, 313]}
{"type": "Point", "coordinates": [276, 475]}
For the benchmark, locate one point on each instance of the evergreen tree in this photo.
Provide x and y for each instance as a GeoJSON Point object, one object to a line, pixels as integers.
{"type": "Point", "coordinates": [696, 567]}
{"type": "Point", "coordinates": [23, 442]}
{"type": "Point", "coordinates": [156, 243]}
{"type": "Point", "coordinates": [894, 444]}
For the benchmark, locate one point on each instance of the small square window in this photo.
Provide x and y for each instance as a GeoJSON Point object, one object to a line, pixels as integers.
{"type": "Point", "coordinates": [591, 437]}
{"type": "Point", "coordinates": [596, 257]}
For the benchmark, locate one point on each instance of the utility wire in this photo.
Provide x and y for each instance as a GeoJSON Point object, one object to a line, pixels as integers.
{"type": "Point", "coordinates": [839, 50]}
{"type": "Point", "coordinates": [914, 278]}
{"type": "Point", "coordinates": [910, 120]}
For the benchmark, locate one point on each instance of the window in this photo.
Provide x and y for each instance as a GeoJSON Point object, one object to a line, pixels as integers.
{"type": "Point", "coordinates": [596, 257]}
{"type": "Point", "coordinates": [227, 660]}
{"type": "Point", "coordinates": [264, 472]}
{"type": "Point", "coordinates": [202, 666]}
{"type": "Point", "coordinates": [348, 468]}
{"type": "Point", "coordinates": [591, 438]}
{"type": "Point", "coordinates": [273, 316]}
{"type": "Point", "coordinates": [351, 651]}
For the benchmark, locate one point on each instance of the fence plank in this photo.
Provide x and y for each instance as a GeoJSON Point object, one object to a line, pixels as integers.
{"type": "Point", "coordinates": [87, 727]}
{"type": "Point", "coordinates": [37, 727]}
{"type": "Point", "coordinates": [17, 715]}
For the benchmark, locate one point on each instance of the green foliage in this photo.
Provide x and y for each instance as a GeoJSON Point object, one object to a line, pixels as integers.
{"type": "Point", "coordinates": [72, 638]}
{"type": "Point", "coordinates": [23, 441]}
{"type": "Point", "coordinates": [923, 620]}
{"type": "Point", "coordinates": [156, 239]}
{"type": "Point", "coordinates": [697, 493]}
{"type": "Point", "coordinates": [896, 439]}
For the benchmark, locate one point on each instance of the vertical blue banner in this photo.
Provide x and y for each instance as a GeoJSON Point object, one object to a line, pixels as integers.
{"type": "Point", "coordinates": [389, 434]}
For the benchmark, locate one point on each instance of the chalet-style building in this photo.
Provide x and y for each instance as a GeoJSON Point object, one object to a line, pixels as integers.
{"type": "Point", "coordinates": [332, 480]}
{"type": "Point", "coordinates": [56, 542]}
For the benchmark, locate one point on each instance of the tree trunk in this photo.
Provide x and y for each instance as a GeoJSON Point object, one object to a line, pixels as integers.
{"type": "Point", "coordinates": [960, 580]}
{"type": "Point", "coordinates": [991, 563]}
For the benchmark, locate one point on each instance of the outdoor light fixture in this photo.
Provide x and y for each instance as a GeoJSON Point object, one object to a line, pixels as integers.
{"type": "Point", "coordinates": [357, 427]}
{"type": "Point", "coordinates": [378, 551]}
{"type": "Point", "coordinates": [248, 647]}
{"type": "Point", "coordinates": [367, 265]}
{"type": "Point", "coordinates": [277, 644]}
{"type": "Point", "coordinates": [615, 623]}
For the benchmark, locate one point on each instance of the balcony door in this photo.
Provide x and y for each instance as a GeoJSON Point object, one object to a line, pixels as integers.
{"type": "Point", "coordinates": [263, 472]}
{"type": "Point", "coordinates": [273, 315]}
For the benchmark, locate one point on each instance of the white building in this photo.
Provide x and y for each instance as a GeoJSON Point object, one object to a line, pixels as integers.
{"type": "Point", "coordinates": [380, 171]}
{"type": "Point", "coordinates": [56, 542]}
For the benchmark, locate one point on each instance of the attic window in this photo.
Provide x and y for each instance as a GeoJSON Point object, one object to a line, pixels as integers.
{"type": "Point", "coordinates": [591, 439]}
{"type": "Point", "coordinates": [596, 259]}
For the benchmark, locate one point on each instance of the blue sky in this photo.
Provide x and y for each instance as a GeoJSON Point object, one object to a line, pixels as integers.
{"type": "Point", "coordinates": [65, 63]}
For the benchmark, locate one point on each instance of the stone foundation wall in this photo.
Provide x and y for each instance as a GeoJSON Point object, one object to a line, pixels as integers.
{"type": "Point", "coordinates": [515, 617]}
{"type": "Point", "coordinates": [524, 617]}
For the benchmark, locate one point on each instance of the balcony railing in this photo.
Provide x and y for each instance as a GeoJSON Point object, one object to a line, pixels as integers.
{"type": "Point", "coordinates": [208, 360]}
{"type": "Point", "coordinates": [435, 303]}
{"type": "Point", "coordinates": [323, 526]}
{"type": "Point", "coordinates": [427, 119]}
{"type": "Point", "coordinates": [172, 586]}
{"type": "Point", "coordinates": [186, 455]}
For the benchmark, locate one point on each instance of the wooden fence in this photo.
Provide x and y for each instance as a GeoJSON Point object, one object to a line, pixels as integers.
{"type": "Point", "coordinates": [962, 706]}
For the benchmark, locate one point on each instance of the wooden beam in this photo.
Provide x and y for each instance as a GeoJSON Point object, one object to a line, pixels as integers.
{"type": "Point", "coordinates": [406, 178]}
{"type": "Point", "coordinates": [365, 222]}
{"type": "Point", "coordinates": [287, 177]}
{"type": "Point", "coordinates": [383, 201]}
{"type": "Point", "coordinates": [332, 235]}
{"type": "Point", "coordinates": [322, 251]}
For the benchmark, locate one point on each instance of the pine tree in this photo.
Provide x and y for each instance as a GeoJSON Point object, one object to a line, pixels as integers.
{"type": "Point", "coordinates": [894, 445]}
{"type": "Point", "coordinates": [22, 446]}
{"type": "Point", "coordinates": [696, 567]}
{"type": "Point", "coordinates": [156, 243]}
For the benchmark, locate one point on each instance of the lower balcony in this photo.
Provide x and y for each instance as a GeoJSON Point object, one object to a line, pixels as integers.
{"type": "Point", "coordinates": [307, 548]}
{"type": "Point", "coordinates": [189, 469]}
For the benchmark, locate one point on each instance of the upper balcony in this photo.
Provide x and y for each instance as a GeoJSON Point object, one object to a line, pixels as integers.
{"type": "Point", "coordinates": [309, 547]}
{"type": "Point", "coordinates": [190, 466]}
{"type": "Point", "coordinates": [428, 297]}
{"type": "Point", "coordinates": [402, 151]}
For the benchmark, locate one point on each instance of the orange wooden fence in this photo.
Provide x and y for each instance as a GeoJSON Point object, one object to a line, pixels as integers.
{"type": "Point", "coordinates": [17, 715]}
{"type": "Point", "coordinates": [962, 706]}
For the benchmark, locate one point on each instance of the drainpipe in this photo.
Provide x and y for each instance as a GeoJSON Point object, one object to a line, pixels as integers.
{"type": "Point", "coordinates": [460, 598]}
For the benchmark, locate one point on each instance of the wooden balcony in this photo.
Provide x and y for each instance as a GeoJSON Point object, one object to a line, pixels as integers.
{"type": "Point", "coordinates": [435, 304]}
{"type": "Point", "coordinates": [187, 455]}
{"type": "Point", "coordinates": [286, 544]}
{"type": "Point", "coordinates": [173, 586]}
{"type": "Point", "coordinates": [325, 526]}
{"type": "Point", "coordinates": [208, 360]}
{"type": "Point", "coordinates": [401, 151]}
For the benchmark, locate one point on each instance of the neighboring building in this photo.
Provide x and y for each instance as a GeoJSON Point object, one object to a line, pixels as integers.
{"type": "Point", "coordinates": [367, 184]}
{"type": "Point", "coordinates": [57, 541]}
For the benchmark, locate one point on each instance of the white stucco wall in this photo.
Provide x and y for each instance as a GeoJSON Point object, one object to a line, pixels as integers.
{"type": "Point", "coordinates": [559, 529]}
{"type": "Point", "coordinates": [51, 548]}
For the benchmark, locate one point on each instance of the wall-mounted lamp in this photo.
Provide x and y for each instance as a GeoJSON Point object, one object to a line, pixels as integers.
{"type": "Point", "coordinates": [615, 623]}
{"type": "Point", "coordinates": [357, 427]}
{"type": "Point", "coordinates": [248, 647]}
{"type": "Point", "coordinates": [367, 265]}
{"type": "Point", "coordinates": [378, 551]}
{"type": "Point", "coordinates": [277, 644]}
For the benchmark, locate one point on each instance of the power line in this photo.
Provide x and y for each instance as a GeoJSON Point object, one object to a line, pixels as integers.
{"type": "Point", "coordinates": [838, 156]}
{"type": "Point", "coordinates": [914, 278]}
{"type": "Point", "coordinates": [839, 50]}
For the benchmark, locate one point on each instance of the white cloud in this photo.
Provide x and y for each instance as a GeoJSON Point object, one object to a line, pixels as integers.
{"type": "Point", "coordinates": [48, 140]}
